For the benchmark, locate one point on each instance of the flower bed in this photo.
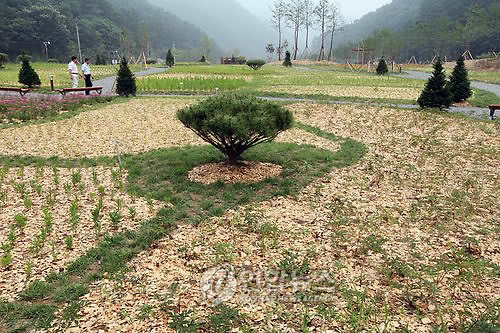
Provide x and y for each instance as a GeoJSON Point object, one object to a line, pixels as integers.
{"type": "Point", "coordinates": [14, 109]}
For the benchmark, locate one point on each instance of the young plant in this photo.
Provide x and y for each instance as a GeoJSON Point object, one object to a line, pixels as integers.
{"type": "Point", "coordinates": [28, 203]}
{"type": "Point", "coordinates": [28, 268]}
{"type": "Point", "coordinates": [20, 221]}
{"type": "Point", "coordinates": [76, 177]}
{"type": "Point", "coordinates": [73, 213]}
{"type": "Point", "coordinates": [115, 218]}
{"type": "Point", "coordinates": [48, 221]}
{"type": "Point", "coordinates": [132, 212]}
{"type": "Point", "coordinates": [55, 175]}
{"type": "Point", "coordinates": [95, 178]}
{"type": "Point", "coordinates": [68, 240]}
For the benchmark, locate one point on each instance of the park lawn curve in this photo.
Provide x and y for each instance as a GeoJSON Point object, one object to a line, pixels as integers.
{"type": "Point", "coordinates": [408, 233]}
{"type": "Point", "coordinates": [160, 174]}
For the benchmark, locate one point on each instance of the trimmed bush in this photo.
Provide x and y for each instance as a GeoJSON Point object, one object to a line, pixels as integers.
{"type": "Point", "coordinates": [382, 67]}
{"type": "Point", "coordinates": [233, 123]}
{"type": "Point", "coordinates": [436, 93]}
{"type": "Point", "coordinates": [125, 83]}
{"type": "Point", "coordinates": [27, 75]}
{"type": "Point", "coordinates": [151, 61]}
{"type": "Point", "coordinates": [52, 61]}
{"type": "Point", "coordinates": [170, 61]}
{"type": "Point", "coordinates": [255, 64]}
{"type": "Point", "coordinates": [459, 82]}
{"type": "Point", "coordinates": [23, 56]}
{"type": "Point", "coordinates": [4, 58]}
{"type": "Point", "coordinates": [288, 61]}
{"type": "Point", "coordinates": [203, 59]}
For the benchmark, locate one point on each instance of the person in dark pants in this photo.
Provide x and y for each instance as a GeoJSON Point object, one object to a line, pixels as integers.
{"type": "Point", "coordinates": [87, 74]}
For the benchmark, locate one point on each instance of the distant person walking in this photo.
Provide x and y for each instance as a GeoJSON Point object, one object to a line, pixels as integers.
{"type": "Point", "coordinates": [87, 74]}
{"type": "Point", "coordinates": [73, 71]}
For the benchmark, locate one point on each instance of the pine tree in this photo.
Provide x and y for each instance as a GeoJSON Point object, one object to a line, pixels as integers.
{"type": "Point", "coordinates": [170, 61]}
{"type": "Point", "coordinates": [436, 93]}
{"type": "Point", "coordinates": [125, 84]}
{"type": "Point", "coordinates": [459, 82]}
{"type": "Point", "coordinates": [382, 67]}
{"type": "Point", "coordinates": [27, 75]}
{"type": "Point", "coordinates": [288, 61]}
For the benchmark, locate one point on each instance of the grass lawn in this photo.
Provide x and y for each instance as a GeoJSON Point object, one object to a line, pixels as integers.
{"type": "Point", "coordinates": [382, 219]}
{"type": "Point", "coordinates": [319, 82]}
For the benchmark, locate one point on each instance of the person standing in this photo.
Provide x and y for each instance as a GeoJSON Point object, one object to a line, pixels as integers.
{"type": "Point", "coordinates": [87, 75]}
{"type": "Point", "coordinates": [73, 71]}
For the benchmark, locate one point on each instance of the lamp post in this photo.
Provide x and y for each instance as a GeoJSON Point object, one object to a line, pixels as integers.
{"type": "Point", "coordinates": [46, 44]}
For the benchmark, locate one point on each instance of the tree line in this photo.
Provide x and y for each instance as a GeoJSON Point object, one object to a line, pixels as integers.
{"type": "Point", "coordinates": [106, 27]}
{"type": "Point", "coordinates": [305, 15]}
{"type": "Point", "coordinates": [445, 28]}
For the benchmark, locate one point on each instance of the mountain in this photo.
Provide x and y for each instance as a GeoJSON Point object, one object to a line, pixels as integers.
{"type": "Point", "coordinates": [232, 26]}
{"type": "Point", "coordinates": [423, 29]}
{"type": "Point", "coordinates": [396, 15]}
{"type": "Point", "coordinates": [105, 26]}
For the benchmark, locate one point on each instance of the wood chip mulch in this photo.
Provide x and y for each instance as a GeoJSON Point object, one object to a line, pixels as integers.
{"type": "Point", "coordinates": [244, 172]}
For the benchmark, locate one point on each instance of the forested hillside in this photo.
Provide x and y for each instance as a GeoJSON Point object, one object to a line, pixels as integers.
{"type": "Point", "coordinates": [233, 28]}
{"type": "Point", "coordinates": [424, 28]}
{"type": "Point", "coordinates": [126, 26]}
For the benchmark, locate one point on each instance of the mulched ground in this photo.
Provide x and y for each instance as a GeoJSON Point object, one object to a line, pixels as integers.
{"type": "Point", "coordinates": [426, 189]}
{"type": "Point", "coordinates": [243, 172]}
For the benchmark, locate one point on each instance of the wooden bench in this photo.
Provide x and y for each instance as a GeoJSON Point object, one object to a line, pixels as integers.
{"type": "Point", "coordinates": [69, 90]}
{"type": "Point", "coordinates": [21, 91]}
{"type": "Point", "coordinates": [492, 108]}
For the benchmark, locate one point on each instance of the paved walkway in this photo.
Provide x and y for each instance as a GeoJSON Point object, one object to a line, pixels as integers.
{"type": "Point", "coordinates": [494, 88]}
{"type": "Point", "coordinates": [109, 82]}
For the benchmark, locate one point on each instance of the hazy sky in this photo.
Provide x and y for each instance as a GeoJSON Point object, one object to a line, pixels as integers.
{"type": "Point", "coordinates": [350, 9]}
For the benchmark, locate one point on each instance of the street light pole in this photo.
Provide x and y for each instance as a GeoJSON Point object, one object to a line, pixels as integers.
{"type": "Point", "coordinates": [47, 43]}
{"type": "Point", "coordinates": [78, 38]}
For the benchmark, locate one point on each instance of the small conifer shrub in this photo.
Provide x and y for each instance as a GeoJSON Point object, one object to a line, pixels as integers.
{"type": "Point", "coordinates": [27, 75]}
{"type": "Point", "coordinates": [436, 93]}
{"type": "Point", "coordinates": [233, 123]}
{"type": "Point", "coordinates": [125, 83]}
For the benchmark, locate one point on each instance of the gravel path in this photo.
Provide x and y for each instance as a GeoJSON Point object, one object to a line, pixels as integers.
{"type": "Point", "coordinates": [494, 88]}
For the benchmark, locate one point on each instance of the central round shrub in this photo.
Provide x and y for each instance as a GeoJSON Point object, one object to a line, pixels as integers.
{"type": "Point", "coordinates": [233, 123]}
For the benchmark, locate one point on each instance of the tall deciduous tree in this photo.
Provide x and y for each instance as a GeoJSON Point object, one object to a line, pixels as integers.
{"type": "Point", "coordinates": [334, 20]}
{"type": "Point", "coordinates": [295, 18]}
{"type": "Point", "coordinates": [278, 18]}
{"type": "Point", "coordinates": [308, 20]}
{"type": "Point", "coordinates": [321, 15]}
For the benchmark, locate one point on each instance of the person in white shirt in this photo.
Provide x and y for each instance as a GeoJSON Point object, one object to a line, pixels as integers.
{"type": "Point", "coordinates": [73, 71]}
{"type": "Point", "coordinates": [87, 74]}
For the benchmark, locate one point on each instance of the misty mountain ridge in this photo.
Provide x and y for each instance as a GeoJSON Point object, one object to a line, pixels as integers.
{"type": "Point", "coordinates": [227, 22]}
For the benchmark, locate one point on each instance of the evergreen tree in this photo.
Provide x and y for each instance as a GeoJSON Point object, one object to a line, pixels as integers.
{"type": "Point", "coordinates": [203, 59]}
{"type": "Point", "coordinates": [27, 75]}
{"type": "Point", "coordinates": [459, 82]}
{"type": "Point", "coordinates": [170, 61]}
{"type": "Point", "coordinates": [436, 93]}
{"type": "Point", "coordinates": [125, 84]}
{"type": "Point", "coordinates": [288, 61]}
{"type": "Point", "coordinates": [382, 67]}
